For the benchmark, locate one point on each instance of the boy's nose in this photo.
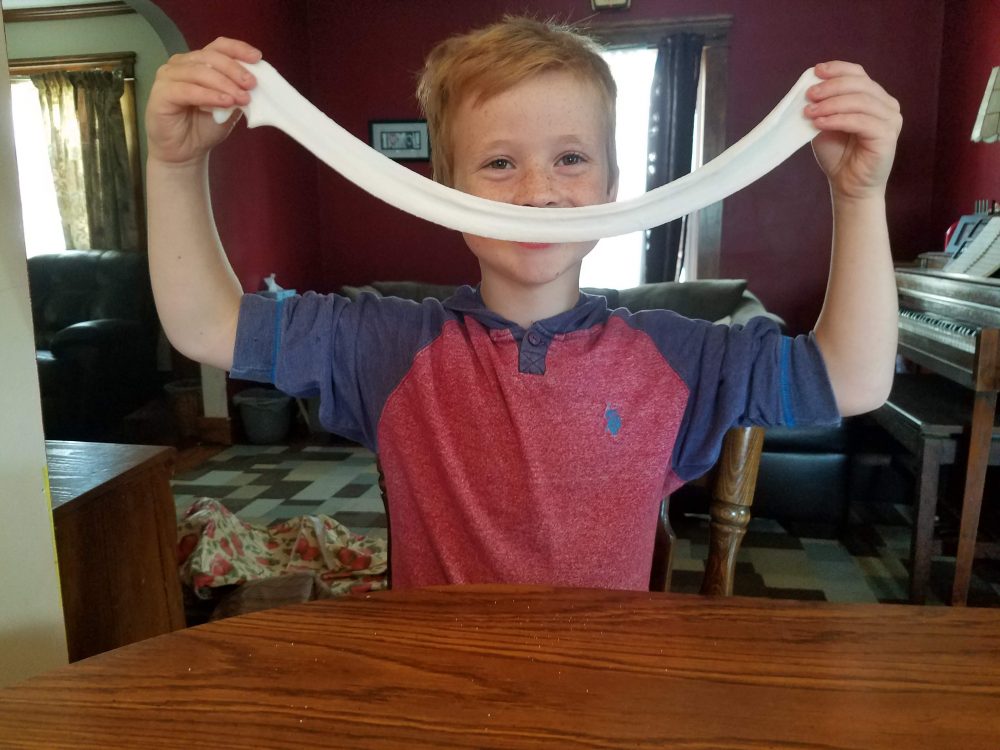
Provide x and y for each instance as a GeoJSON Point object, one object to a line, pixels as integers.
{"type": "Point", "coordinates": [536, 189]}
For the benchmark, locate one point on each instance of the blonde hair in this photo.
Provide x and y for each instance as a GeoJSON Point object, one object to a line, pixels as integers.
{"type": "Point", "coordinates": [494, 59]}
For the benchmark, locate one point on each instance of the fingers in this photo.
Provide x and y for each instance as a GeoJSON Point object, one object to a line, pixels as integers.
{"type": "Point", "coordinates": [211, 77]}
{"type": "Point", "coordinates": [236, 49]}
{"type": "Point", "coordinates": [847, 99]}
{"type": "Point", "coordinates": [221, 88]}
{"type": "Point", "coordinates": [881, 108]}
{"type": "Point", "coordinates": [196, 95]}
{"type": "Point", "coordinates": [852, 83]}
{"type": "Point", "coordinates": [838, 68]}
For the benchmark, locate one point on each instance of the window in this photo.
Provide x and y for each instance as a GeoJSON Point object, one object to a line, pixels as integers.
{"type": "Point", "coordinates": [616, 262]}
{"type": "Point", "coordinates": [39, 209]}
{"type": "Point", "coordinates": [77, 152]}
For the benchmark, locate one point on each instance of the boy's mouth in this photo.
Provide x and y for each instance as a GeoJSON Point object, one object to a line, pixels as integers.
{"type": "Point", "coordinates": [535, 245]}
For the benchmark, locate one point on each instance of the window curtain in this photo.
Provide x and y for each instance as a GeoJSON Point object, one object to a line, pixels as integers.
{"type": "Point", "coordinates": [55, 93]}
{"type": "Point", "coordinates": [671, 134]}
{"type": "Point", "coordinates": [89, 157]}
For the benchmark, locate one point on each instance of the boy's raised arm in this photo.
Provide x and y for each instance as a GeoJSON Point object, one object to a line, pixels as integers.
{"type": "Point", "coordinates": [856, 329]}
{"type": "Point", "coordinates": [197, 294]}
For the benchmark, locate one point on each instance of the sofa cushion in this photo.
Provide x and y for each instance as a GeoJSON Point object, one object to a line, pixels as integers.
{"type": "Point", "coordinates": [705, 299]}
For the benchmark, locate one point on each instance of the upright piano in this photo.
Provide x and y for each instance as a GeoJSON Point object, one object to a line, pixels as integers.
{"type": "Point", "coordinates": [950, 325]}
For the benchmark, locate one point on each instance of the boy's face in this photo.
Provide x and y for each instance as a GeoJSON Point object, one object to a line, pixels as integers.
{"type": "Point", "coordinates": [541, 143]}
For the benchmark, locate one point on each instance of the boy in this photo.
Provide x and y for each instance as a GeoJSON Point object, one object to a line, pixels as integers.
{"type": "Point", "coordinates": [527, 433]}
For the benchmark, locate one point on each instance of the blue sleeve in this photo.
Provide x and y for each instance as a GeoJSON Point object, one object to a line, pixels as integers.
{"type": "Point", "coordinates": [349, 354]}
{"type": "Point", "coordinates": [738, 376]}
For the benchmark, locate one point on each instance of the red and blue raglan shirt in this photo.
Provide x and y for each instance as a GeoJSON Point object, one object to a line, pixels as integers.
{"type": "Point", "coordinates": [528, 456]}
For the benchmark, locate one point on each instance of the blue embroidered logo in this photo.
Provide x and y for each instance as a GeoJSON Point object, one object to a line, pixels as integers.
{"type": "Point", "coordinates": [612, 421]}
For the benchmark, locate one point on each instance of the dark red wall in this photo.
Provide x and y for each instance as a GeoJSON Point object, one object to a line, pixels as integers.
{"type": "Point", "coordinates": [358, 61]}
{"type": "Point", "coordinates": [965, 170]}
{"type": "Point", "coordinates": [263, 184]}
{"type": "Point", "coordinates": [776, 234]}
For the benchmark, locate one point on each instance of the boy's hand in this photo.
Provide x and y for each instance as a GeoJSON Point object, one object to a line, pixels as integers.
{"type": "Point", "coordinates": [178, 131]}
{"type": "Point", "coordinates": [860, 124]}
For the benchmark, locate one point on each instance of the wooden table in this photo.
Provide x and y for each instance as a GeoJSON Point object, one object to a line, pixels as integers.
{"type": "Point", "coordinates": [531, 667]}
{"type": "Point", "coordinates": [116, 540]}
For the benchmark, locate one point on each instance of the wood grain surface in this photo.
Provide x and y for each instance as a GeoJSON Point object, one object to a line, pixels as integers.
{"type": "Point", "coordinates": [116, 541]}
{"type": "Point", "coordinates": [79, 471]}
{"type": "Point", "coordinates": [532, 667]}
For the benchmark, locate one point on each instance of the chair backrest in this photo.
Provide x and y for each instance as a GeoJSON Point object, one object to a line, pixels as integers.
{"type": "Point", "coordinates": [732, 482]}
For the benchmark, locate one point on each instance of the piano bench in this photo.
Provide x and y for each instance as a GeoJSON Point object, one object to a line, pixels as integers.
{"type": "Point", "coordinates": [929, 417]}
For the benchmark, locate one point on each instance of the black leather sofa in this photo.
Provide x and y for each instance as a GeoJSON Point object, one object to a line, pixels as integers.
{"type": "Point", "coordinates": [96, 335]}
{"type": "Point", "coordinates": [718, 300]}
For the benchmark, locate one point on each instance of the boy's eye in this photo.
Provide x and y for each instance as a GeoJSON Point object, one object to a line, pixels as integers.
{"type": "Point", "coordinates": [571, 160]}
{"type": "Point", "coordinates": [499, 164]}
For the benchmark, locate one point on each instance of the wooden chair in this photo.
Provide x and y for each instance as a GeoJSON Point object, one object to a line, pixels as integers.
{"type": "Point", "coordinates": [732, 483]}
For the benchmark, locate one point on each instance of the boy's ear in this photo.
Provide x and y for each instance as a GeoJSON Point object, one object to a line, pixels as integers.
{"type": "Point", "coordinates": [613, 188]}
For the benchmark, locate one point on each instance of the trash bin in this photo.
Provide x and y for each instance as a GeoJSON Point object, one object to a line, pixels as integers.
{"type": "Point", "coordinates": [184, 398]}
{"type": "Point", "coordinates": [266, 414]}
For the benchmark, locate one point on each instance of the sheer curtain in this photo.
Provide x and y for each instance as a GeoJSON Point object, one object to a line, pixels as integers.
{"type": "Point", "coordinates": [671, 135]}
{"type": "Point", "coordinates": [55, 94]}
{"type": "Point", "coordinates": [88, 153]}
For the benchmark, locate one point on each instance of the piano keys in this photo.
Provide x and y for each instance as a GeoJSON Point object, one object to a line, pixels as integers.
{"type": "Point", "coordinates": [948, 323]}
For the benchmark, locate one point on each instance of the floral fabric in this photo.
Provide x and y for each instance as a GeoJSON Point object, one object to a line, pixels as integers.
{"type": "Point", "coordinates": [215, 548]}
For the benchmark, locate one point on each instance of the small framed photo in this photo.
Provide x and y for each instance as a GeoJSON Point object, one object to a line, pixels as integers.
{"type": "Point", "coordinates": [403, 140]}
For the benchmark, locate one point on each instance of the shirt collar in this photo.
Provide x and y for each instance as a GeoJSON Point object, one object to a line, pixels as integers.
{"type": "Point", "coordinates": [590, 309]}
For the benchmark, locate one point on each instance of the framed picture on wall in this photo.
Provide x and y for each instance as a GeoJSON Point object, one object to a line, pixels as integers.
{"type": "Point", "coordinates": [403, 140]}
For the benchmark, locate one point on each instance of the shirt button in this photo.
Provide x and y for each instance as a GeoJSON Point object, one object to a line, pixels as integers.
{"type": "Point", "coordinates": [534, 339]}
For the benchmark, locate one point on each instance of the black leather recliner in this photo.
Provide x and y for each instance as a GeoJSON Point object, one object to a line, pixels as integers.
{"type": "Point", "coordinates": [96, 335]}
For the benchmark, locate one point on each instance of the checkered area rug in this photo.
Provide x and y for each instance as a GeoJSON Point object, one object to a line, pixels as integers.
{"type": "Point", "coordinates": [265, 484]}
